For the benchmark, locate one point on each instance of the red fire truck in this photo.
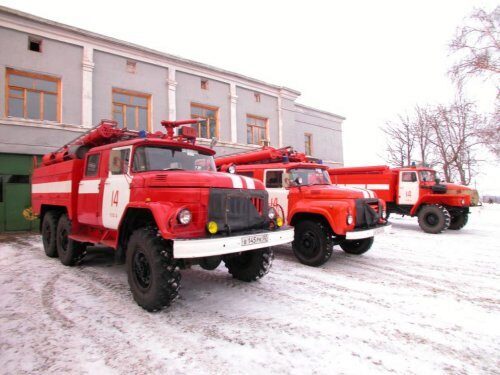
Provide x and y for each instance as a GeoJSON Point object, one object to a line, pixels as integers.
{"type": "Point", "coordinates": [159, 202]}
{"type": "Point", "coordinates": [322, 214]}
{"type": "Point", "coordinates": [413, 191]}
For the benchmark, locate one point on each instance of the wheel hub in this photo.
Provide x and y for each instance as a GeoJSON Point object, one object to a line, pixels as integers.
{"type": "Point", "coordinates": [64, 240]}
{"type": "Point", "coordinates": [309, 244]}
{"type": "Point", "coordinates": [142, 270]}
{"type": "Point", "coordinates": [432, 219]}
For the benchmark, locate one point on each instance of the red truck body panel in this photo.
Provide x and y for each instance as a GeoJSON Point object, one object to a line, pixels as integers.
{"type": "Point", "coordinates": [97, 202]}
{"type": "Point", "coordinates": [332, 203]}
{"type": "Point", "coordinates": [385, 181]}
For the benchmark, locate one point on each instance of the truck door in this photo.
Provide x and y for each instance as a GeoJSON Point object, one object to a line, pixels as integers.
{"type": "Point", "coordinates": [90, 191]}
{"type": "Point", "coordinates": [116, 187]}
{"type": "Point", "coordinates": [408, 187]}
{"type": "Point", "coordinates": [278, 195]}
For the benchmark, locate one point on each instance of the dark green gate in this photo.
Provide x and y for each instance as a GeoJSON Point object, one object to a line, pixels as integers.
{"type": "Point", "coordinates": [15, 192]}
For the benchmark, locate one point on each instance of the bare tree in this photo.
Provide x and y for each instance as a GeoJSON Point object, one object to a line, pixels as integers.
{"type": "Point", "coordinates": [456, 135]}
{"type": "Point", "coordinates": [442, 136]}
{"type": "Point", "coordinates": [423, 133]}
{"type": "Point", "coordinates": [477, 46]}
{"type": "Point", "coordinates": [491, 134]}
{"type": "Point", "coordinates": [400, 141]}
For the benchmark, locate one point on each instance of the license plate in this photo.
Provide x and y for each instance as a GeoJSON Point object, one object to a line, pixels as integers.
{"type": "Point", "coordinates": [254, 239]}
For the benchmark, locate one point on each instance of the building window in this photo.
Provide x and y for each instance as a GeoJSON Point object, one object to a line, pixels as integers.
{"type": "Point", "coordinates": [33, 96]}
{"type": "Point", "coordinates": [308, 143]}
{"type": "Point", "coordinates": [131, 66]}
{"type": "Point", "coordinates": [256, 95]}
{"type": "Point", "coordinates": [131, 109]}
{"type": "Point", "coordinates": [256, 130]}
{"type": "Point", "coordinates": [204, 84]}
{"type": "Point", "coordinates": [34, 44]}
{"type": "Point", "coordinates": [210, 127]}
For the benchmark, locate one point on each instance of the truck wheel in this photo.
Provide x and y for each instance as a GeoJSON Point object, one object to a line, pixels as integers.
{"type": "Point", "coordinates": [49, 230]}
{"type": "Point", "coordinates": [312, 244]}
{"type": "Point", "coordinates": [153, 275]}
{"type": "Point", "coordinates": [250, 265]}
{"type": "Point", "coordinates": [458, 221]}
{"type": "Point", "coordinates": [357, 247]}
{"type": "Point", "coordinates": [434, 218]}
{"type": "Point", "coordinates": [70, 252]}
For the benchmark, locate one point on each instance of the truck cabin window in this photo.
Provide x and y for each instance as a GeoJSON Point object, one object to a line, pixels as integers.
{"type": "Point", "coordinates": [427, 176]}
{"type": "Point", "coordinates": [92, 165]}
{"type": "Point", "coordinates": [274, 179]}
{"type": "Point", "coordinates": [409, 177]}
{"type": "Point", "coordinates": [118, 161]}
{"type": "Point", "coordinates": [151, 158]}
{"type": "Point", "coordinates": [309, 176]}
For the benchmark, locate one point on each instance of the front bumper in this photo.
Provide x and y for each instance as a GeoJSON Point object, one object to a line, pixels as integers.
{"type": "Point", "coordinates": [206, 247]}
{"type": "Point", "coordinates": [366, 233]}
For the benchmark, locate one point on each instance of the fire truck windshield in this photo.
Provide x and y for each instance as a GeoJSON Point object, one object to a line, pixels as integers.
{"type": "Point", "coordinates": [427, 176]}
{"type": "Point", "coordinates": [309, 176]}
{"type": "Point", "coordinates": [153, 158]}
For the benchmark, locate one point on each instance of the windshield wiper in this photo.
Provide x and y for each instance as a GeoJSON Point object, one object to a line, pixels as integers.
{"type": "Point", "coordinates": [173, 169]}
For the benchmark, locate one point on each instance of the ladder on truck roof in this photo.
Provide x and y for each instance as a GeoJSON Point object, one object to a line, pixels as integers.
{"type": "Point", "coordinates": [265, 155]}
{"type": "Point", "coordinates": [107, 132]}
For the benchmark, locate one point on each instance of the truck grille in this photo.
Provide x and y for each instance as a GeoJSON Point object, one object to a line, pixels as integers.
{"type": "Point", "coordinates": [368, 212]}
{"type": "Point", "coordinates": [237, 209]}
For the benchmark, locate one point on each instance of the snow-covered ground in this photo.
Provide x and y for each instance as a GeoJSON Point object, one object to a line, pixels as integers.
{"type": "Point", "coordinates": [415, 303]}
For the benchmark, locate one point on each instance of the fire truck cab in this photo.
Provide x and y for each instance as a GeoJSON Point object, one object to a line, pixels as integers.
{"type": "Point", "coordinates": [159, 202]}
{"type": "Point", "coordinates": [323, 215]}
{"type": "Point", "coordinates": [413, 191]}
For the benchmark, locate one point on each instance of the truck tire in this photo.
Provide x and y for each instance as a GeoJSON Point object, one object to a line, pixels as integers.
{"type": "Point", "coordinates": [357, 247]}
{"type": "Point", "coordinates": [49, 230]}
{"type": "Point", "coordinates": [459, 221]}
{"type": "Point", "coordinates": [434, 218]}
{"type": "Point", "coordinates": [70, 252]}
{"type": "Point", "coordinates": [250, 265]}
{"type": "Point", "coordinates": [313, 244]}
{"type": "Point", "coordinates": [153, 275]}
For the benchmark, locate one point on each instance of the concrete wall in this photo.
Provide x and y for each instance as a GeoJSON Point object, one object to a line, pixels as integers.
{"type": "Point", "coordinates": [33, 140]}
{"type": "Point", "coordinates": [267, 108]}
{"type": "Point", "coordinates": [189, 91]}
{"type": "Point", "coordinates": [110, 72]}
{"type": "Point", "coordinates": [326, 133]}
{"type": "Point", "coordinates": [57, 59]}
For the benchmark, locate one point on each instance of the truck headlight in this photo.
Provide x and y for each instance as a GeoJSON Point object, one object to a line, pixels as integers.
{"type": "Point", "coordinates": [184, 216]}
{"type": "Point", "coordinates": [463, 202]}
{"type": "Point", "coordinates": [272, 214]}
{"type": "Point", "coordinates": [231, 169]}
{"type": "Point", "coordinates": [349, 219]}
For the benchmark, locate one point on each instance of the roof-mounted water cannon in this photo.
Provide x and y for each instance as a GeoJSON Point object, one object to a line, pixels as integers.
{"type": "Point", "coordinates": [185, 132]}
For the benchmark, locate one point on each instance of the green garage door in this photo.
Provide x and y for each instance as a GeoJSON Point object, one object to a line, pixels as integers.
{"type": "Point", "coordinates": [17, 199]}
{"type": "Point", "coordinates": [15, 192]}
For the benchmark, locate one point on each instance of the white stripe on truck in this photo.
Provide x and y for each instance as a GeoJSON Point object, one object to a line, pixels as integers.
{"type": "Point", "coordinates": [52, 187]}
{"type": "Point", "coordinates": [367, 186]}
{"type": "Point", "coordinates": [249, 181]}
{"type": "Point", "coordinates": [89, 186]}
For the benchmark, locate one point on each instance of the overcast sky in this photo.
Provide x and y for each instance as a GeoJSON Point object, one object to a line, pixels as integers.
{"type": "Point", "coordinates": [364, 60]}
